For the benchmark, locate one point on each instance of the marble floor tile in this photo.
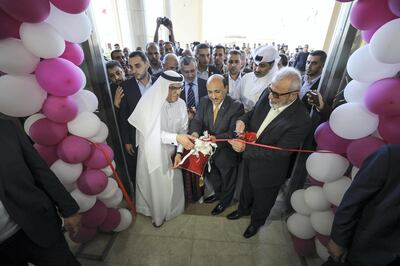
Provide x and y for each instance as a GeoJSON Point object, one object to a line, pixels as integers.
{"type": "Point", "coordinates": [272, 255]}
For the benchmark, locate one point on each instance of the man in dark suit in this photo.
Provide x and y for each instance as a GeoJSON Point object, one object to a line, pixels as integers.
{"type": "Point", "coordinates": [217, 114]}
{"type": "Point", "coordinates": [30, 198]}
{"type": "Point", "coordinates": [280, 119]}
{"type": "Point", "coordinates": [367, 221]}
{"type": "Point", "coordinates": [234, 75]}
{"type": "Point", "coordinates": [204, 68]}
{"type": "Point", "coordinates": [133, 90]}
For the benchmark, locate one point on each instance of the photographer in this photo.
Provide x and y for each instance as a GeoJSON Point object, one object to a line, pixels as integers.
{"type": "Point", "coordinates": [168, 24]}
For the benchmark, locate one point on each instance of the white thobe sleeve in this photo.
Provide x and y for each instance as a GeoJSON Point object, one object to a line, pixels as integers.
{"type": "Point", "coordinates": [168, 138]}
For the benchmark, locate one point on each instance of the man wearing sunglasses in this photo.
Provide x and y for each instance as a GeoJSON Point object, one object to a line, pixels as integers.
{"type": "Point", "coordinates": [280, 119]}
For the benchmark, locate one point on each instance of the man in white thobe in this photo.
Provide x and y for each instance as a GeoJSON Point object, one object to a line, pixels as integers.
{"type": "Point", "coordinates": [161, 121]}
{"type": "Point", "coordinates": [253, 84]}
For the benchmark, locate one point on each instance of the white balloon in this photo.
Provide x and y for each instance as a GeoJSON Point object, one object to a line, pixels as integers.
{"type": "Point", "coordinates": [354, 171]}
{"type": "Point", "coordinates": [20, 96]}
{"type": "Point", "coordinates": [72, 27]}
{"type": "Point", "coordinates": [109, 191]}
{"type": "Point", "coordinates": [298, 202]}
{"type": "Point", "coordinates": [353, 121]}
{"type": "Point", "coordinates": [126, 220]}
{"type": "Point", "coordinates": [322, 222]}
{"type": "Point", "coordinates": [67, 173]}
{"type": "Point", "coordinates": [316, 199]}
{"type": "Point", "coordinates": [300, 226]}
{"type": "Point", "coordinates": [102, 135]}
{"type": "Point", "coordinates": [84, 125]}
{"type": "Point", "coordinates": [363, 67]}
{"type": "Point", "coordinates": [385, 43]}
{"type": "Point", "coordinates": [15, 58]}
{"type": "Point", "coordinates": [335, 190]}
{"type": "Point", "coordinates": [354, 91]}
{"type": "Point", "coordinates": [321, 250]}
{"type": "Point", "coordinates": [326, 167]}
{"type": "Point", "coordinates": [42, 40]}
{"type": "Point", "coordinates": [70, 187]}
{"type": "Point", "coordinates": [86, 100]}
{"type": "Point", "coordinates": [115, 200]}
{"type": "Point", "coordinates": [85, 202]}
{"type": "Point", "coordinates": [377, 134]}
{"type": "Point", "coordinates": [32, 119]}
{"type": "Point", "coordinates": [107, 170]}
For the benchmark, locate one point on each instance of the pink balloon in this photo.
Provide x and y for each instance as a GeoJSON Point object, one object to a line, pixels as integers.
{"type": "Point", "coordinates": [9, 27]}
{"type": "Point", "coordinates": [47, 132]}
{"type": "Point", "coordinates": [328, 140]}
{"type": "Point", "coordinates": [84, 235]}
{"type": "Point", "coordinates": [112, 220]}
{"type": "Point", "coordinates": [383, 97]}
{"type": "Point", "coordinates": [73, 52]}
{"type": "Point", "coordinates": [48, 153]}
{"type": "Point", "coordinates": [394, 6]}
{"type": "Point", "coordinates": [370, 14]}
{"type": "Point", "coordinates": [367, 34]}
{"type": "Point", "coordinates": [59, 76]}
{"type": "Point", "coordinates": [323, 239]}
{"type": "Point", "coordinates": [60, 109]}
{"type": "Point", "coordinates": [27, 10]}
{"type": "Point", "coordinates": [304, 247]}
{"type": "Point", "coordinates": [389, 129]}
{"type": "Point", "coordinates": [97, 159]}
{"type": "Point", "coordinates": [95, 216]}
{"type": "Point", "coordinates": [314, 182]}
{"type": "Point", "coordinates": [74, 149]}
{"type": "Point", "coordinates": [71, 6]}
{"type": "Point", "coordinates": [92, 182]}
{"type": "Point", "coordinates": [360, 149]}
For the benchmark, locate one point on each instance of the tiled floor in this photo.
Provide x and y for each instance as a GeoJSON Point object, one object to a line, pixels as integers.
{"type": "Point", "coordinates": [199, 240]}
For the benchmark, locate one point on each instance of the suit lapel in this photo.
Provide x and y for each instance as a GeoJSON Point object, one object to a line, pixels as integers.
{"type": "Point", "coordinates": [183, 92]}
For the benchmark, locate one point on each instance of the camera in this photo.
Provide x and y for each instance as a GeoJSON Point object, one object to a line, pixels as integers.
{"type": "Point", "coordinates": [165, 21]}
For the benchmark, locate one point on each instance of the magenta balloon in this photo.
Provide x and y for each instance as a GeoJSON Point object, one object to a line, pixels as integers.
{"type": "Point", "coordinates": [304, 247]}
{"type": "Point", "coordinates": [84, 235]}
{"type": "Point", "coordinates": [328, 140]}
{"type": "Point", "coordinates": [394, 6]}
{"type": "Point", "coordinates": [47, 132]}
{"type": "Point", "coordinates": [97, 159]}
{"type": "Point", "coordinates": [27, 10]}
{"type": "Point", "coordinates": [60, 109]}
{"type": "Point", "coordinates": [48, 153]}
{"type": "Point", "coordinates": [383, 97]}
{"type": "Point", "coordinates": [323, 239]}
{"type": "Point", "coordinates": [9, 27]}
{"type": "Point", "coordinates": [92, 182]}
{"type": "Point", "coordinates": [71, 6]}
{"type": "Point", "coordinates": [360, 149]}
{"type": "Point", "coordinates": [367, 34]}
{"type": "Point", "coordinates": [74, 149]}
{"type": "Point", "coordinates": [314, 182]}
{"type": "Point", "coordinates": [59, 77]}
{"type": "Point", "coordinates": [95, 216]}
{"type": "Point", "coordinates": [389, 129]}
{"type": "Point", "coordinates": [370, 14]}
{"type": "Point", "coordinates": [112, 220]}
{"type": "Point", "coordinates": [73, 52]}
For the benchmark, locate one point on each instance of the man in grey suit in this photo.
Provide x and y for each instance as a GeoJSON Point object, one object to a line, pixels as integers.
{"type": "Point", "coordinates": [217, 114]}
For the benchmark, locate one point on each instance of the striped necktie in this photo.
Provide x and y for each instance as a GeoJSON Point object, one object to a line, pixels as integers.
{"type": "Point", "coordinates": [191, 100]}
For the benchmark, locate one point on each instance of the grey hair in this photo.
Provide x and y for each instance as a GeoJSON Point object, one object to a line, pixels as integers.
{"type": "Point", "coordinates": [170, 55]}
{"type": "Point", "coordinates": [289, 73]}
{"type": "Point", "coordinates": [186, 60]}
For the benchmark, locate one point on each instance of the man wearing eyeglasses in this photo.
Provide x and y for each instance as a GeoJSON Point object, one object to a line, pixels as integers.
{"type": "Point", "coordinates": [253, 84]}
{"type": "Point", "coordinates": [280, 119]}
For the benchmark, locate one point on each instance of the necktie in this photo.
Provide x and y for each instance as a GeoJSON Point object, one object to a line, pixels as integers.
{"type": "Point", "coordinates": [191, 100]}
{"type": "Point", "coordinates": [216, 109]}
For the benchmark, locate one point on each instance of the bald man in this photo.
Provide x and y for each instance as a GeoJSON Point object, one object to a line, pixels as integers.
{"type": "Point", "coordinates": [217, 113]}
{"type": "Point", "coordinates": [171, 62]}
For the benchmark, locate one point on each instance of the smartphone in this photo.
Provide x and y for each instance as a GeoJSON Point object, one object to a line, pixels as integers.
{"type": "Point", "coordinates": [313, 97]}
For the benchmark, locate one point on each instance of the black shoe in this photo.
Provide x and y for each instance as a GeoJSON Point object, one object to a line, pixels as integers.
{"type": "Point", "coordinates": [218, 209]}
{"type": "Point", "coordinates": [157, 226]}
{"type": "Point", "coordinates": [210, 199]}
{"type": "Point", "coordinates": [251, 231]}
{"type": "Point", "coordinates": [235, 215]}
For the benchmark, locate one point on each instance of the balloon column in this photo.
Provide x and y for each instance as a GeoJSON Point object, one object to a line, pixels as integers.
{"type": "Point", "coordinates": [40, 54]}
{"type": "Point", "coordinates": [370, 118]}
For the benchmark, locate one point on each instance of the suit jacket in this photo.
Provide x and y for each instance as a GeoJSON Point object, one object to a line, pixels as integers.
{"type": "Point", "coordinates": [268, 168]}
{"type": "Point", "coordinates": [367, 220]}
{"type": "Point", "coordinates": [128, 104]}
{"type": "Point", "coordinates": [224, 157]}
{"type": "Point", "coordinates": [29, 190]}
{"type": "Point", "coordinates": [201, 86]}
{"type": "Point", "coordinates": [226, 79]}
